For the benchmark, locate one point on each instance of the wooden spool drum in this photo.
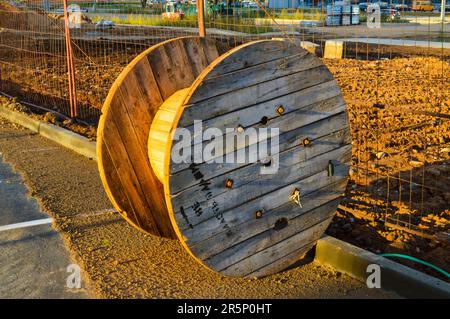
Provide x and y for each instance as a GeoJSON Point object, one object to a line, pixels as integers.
{"type": "Point", "coordinates": [228, 214]}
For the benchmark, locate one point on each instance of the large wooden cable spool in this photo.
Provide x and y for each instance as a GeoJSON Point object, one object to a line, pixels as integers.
{"type": "Point", "coordinates": [229, 216]}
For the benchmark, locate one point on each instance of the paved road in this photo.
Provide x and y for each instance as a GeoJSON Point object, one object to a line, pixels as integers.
{"type": "Point", "coordinates": [33, 260]}
{"type": "Point", "coordinates": [122, 262]}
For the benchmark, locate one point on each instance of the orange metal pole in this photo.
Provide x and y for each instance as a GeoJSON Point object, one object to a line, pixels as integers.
{"type": "Point", "coordinates": [201, 18]}
{"type": "Point", "coordinates": [70, 65]}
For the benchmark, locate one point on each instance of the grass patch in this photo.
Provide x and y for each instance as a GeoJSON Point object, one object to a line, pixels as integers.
{"type": "Point", "coordinates": [384, 19]}
{"type": "Point", "coordinates": [245, 25]}
{"type": "Point", "coordinates": [310, 14]}
{"type": "Point", "coordinates": [239, 24]}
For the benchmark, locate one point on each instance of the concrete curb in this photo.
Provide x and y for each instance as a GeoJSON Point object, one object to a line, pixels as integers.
{"type": "Point", "coordinates": [66, 138]}
{"type": "Point", "coordinates": [403, 280]}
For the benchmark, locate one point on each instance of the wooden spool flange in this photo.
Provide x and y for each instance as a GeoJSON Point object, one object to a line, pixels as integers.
{"type": "Point", "coordinates": [229, 216]}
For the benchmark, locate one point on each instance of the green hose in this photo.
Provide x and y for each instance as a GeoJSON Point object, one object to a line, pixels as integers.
{"type": "Point", "coordinates": [418, 261]}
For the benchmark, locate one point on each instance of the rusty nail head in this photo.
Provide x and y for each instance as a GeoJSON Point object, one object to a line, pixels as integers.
{"type": "Point", "coordinates": [280, 109]}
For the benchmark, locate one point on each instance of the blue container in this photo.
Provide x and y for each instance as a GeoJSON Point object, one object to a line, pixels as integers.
{"type": "Point", "coordinates": [334, 10]}
{"type": "Point", "coordinates": [346, 20]}
{"type": "Point", "coordinates": [333, 20]}
{"type": "Point", "coordinates": [347, 9]}
{"type": "Point", "coordinates": [355, 19]}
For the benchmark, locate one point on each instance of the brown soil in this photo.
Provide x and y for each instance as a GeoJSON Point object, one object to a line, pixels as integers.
{"type": "Point", "coordinates": [7, 7]}
{"type": "Point", "coordinates": [86, 130]}
{"type": "Point", "coordinates": [401, 158]}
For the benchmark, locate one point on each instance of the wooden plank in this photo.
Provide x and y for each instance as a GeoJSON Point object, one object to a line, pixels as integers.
{"type": "Point", "coordinates": [147, 85]}
{"type": "Point", "coordinates": [171, 68]}
{"type": "Point", "coordinates": [255, 185]}
{"type": "Point", "coordinates": [326, 92]}
{"type": "Point", "coordinates": [224, 220]}
{"type": "Point", "coordinates": [270, 237]}
{"type": "Point", "coordinates": [261, 52]}
{"type": "Point", "coordinates": [197, 56]}
{"type": "Point", "coordinates": [252, 236]}
{"type": "Point", "coordinates": [134, 138]}
{"type": "Point", "coordinates": [130, 100]}
{"type": "Point", "coordinates": [249, 76]}
{"type": "Point", "coordinates": [287, 140]}
{"type": "Point", "coordinates": [282, 263]}
{"type": "Point", "coordinates": [210, 48]}
{"type": "Point", "coordinates": [126, 172]}
{"type": "Point", "coordinates": [277, 253]}
{"type": "Point", "coordinates": [216, 178]}
{"type": "Point", "coordinates": [254, 94]}
{"type": "Point", "coordinates": [120, 196]}
{"type": "Point", "coordinates": [284, 124]}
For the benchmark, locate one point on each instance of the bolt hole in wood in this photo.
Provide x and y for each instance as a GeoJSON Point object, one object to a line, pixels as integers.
{"type": "Point", "coordinates": [281, 223]}
{"type": "Point", "coordinates": [264, 120]}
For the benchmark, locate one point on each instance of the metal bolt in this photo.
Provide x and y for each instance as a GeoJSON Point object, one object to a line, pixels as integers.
{"type": "Point", "coordinates": [306, 141]}
{"type": "Point", "coordinates": [280, 109]}
{"type": "Point", "coordinates": [258, 214]}
{"type": "Point", "coordinates": [239, 129]}
{"type": "Point", "coordinates": [229, 183]}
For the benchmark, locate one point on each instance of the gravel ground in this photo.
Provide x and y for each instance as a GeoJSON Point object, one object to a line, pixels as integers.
{"type": "Point", "coordinates": [121, 262]}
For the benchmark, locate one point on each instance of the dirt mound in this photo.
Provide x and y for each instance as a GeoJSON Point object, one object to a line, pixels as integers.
{"type": "Point", "coordinates": [400, 176]}
{"type": "Point", "coordinates": [19, 19]}
{"type": "Point", "coordinates": [84, 18]}
{"type": "Point", "coordinates": [86, 130]}
{"type": "Point", "coordinates": [8, 7]}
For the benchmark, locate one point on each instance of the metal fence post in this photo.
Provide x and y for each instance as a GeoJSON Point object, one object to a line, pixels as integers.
{"type": "Point", "coordinates": [201, 17]}
{"type": "Point", "coordinates": [70, 65]}
{"type": "Point", "coordinates": [443, 2]}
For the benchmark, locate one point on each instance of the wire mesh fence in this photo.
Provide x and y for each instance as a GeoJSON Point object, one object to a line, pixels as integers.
{"type": "Point", "coordinates": [395, 79]}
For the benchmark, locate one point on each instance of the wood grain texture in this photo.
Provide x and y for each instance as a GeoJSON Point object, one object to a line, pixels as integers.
{"type": "Point", "coordinates": [225, 250]}
{"type": "Point", "coordinates": [219, 173]}
{"type": "Point", "coordinates": [244, 88]}
{"type": "Point", "coordinates": [123, 130]}
{"type": "Point", "coordinates": [160, 130]}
